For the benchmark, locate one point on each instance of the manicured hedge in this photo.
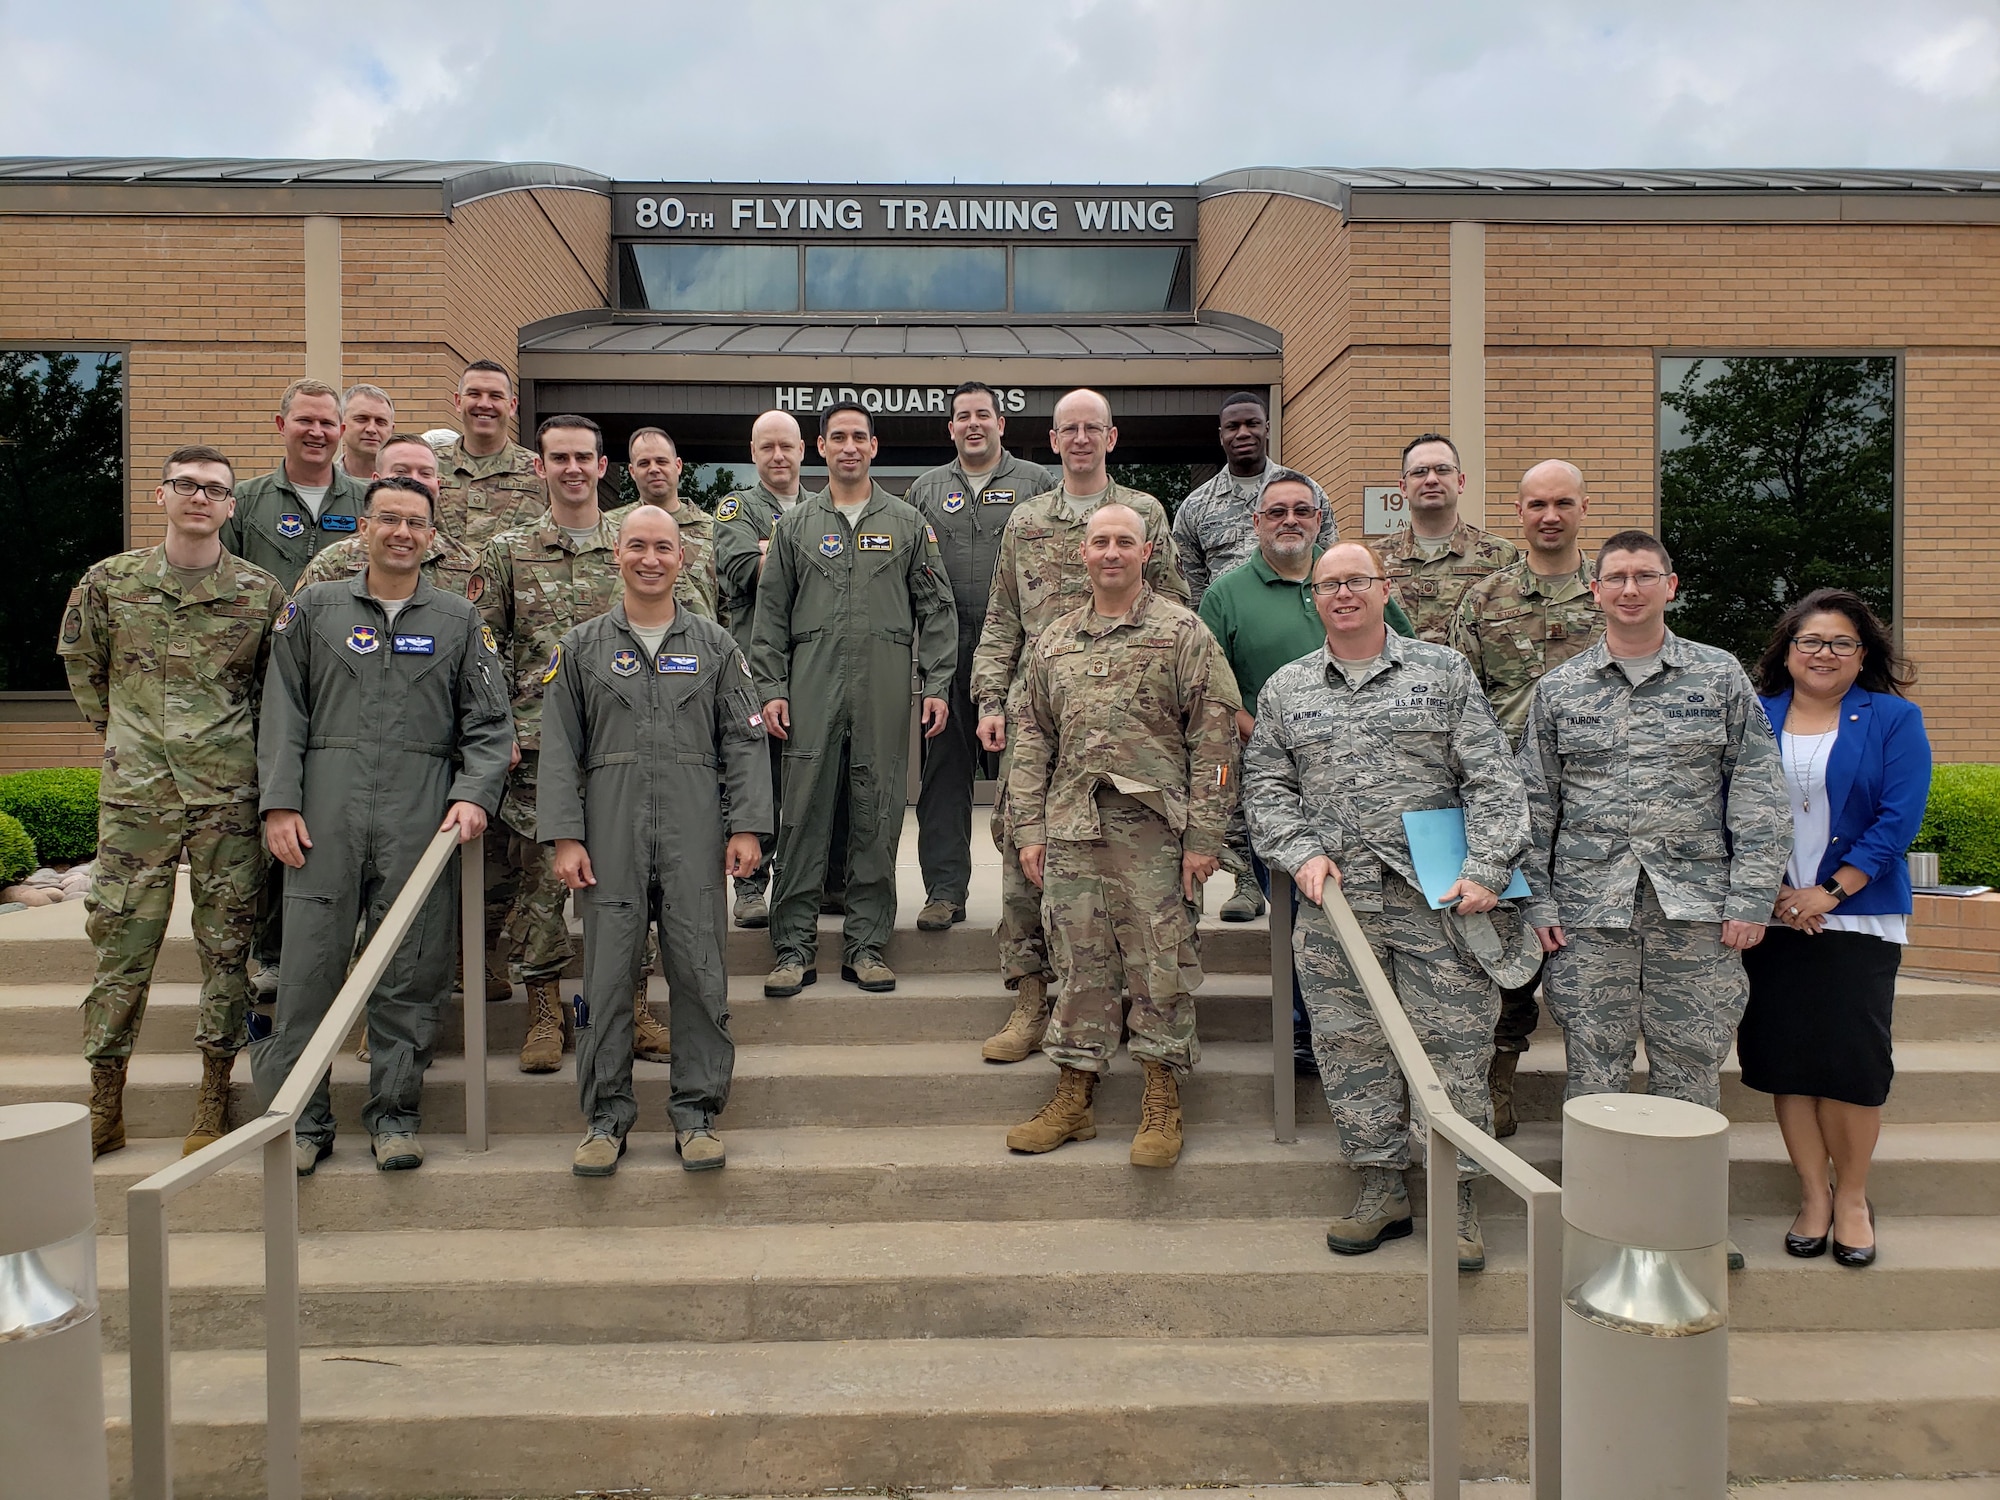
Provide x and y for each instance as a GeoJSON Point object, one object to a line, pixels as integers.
{"type": "Point", "coordinates": [1962, 824]}
{"type": "Point", "coordinates": [58, 807]}
{"type": "Point", "coordinates": [17, 850]}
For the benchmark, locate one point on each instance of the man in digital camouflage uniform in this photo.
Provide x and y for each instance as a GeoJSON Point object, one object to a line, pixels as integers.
{"type": "Point", "coordinates": [1347, 741]}
{"type": "Point", "coordinates": [744, 522]}
{"type": "Point", "coordinates": [1515, 627]}
{"type": "Point", "coordinates": [968, 503]}
{"type": "Point", "coordinates": [1434, 557]}
{"type": "Point", "coordinates": [165, 649]}
{"type": "Point", "coordinates": [486, 483]}
{"type": "Point", "coordinates": [384, 721]}
{"type": "Point", "coordinates": [650, 701]}
{"type": "Point", "coordinates": [1039, 577]}
{"type": "Point", "coordinates": [1123, 773]}
{"type": "Point", "coordinates": [1213, 534]}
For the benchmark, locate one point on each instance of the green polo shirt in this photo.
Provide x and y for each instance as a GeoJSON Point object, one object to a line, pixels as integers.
{"type": "Point", "coordinates": [1264, 622]}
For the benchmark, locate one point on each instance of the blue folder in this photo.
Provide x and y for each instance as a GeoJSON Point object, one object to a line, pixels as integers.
{"type": "Point", "coordinates": [1437, 850]}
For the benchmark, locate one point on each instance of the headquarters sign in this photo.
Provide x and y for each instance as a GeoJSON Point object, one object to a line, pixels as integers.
{"type": "Point", "coordinates": [900, 213]}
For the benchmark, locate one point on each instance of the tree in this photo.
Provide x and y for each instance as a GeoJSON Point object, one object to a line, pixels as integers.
{"type": "Point", "coordinates": [62, 481]}
{"type": "Point", "coordinates": [721, 483]}
{"type": "Point", "coordinates": [1785, 483]}
{"type": "Point", "coordinates": [1167, 483]}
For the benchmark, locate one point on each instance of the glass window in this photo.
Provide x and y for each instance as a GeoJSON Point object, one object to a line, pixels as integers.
{"type": "Point", "coordinates": [1101, 279]}
{"type": "Point", "coordinates": [712, 278]}
{"type": "Point", "coordinates": [1777, 477]}
{"type": "Point", "coordinates": [62, 497]}
{"type": "Point", "coordinates": [892, 278]}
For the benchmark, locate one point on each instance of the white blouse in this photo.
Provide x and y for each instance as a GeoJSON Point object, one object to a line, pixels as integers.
{"type": "Point", "coordinates": [1805, 757]}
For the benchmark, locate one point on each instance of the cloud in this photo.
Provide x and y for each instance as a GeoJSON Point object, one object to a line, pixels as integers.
{"type": "Point", "coordinates": [1040, 90]}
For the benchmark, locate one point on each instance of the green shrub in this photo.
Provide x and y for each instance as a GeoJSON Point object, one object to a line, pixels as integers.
{"type": "Point", "coordinates": [17, 850]}
{"type": "Point", "coordinates": [1962, 824]}
{"type": "Point", "coordinates": [58, 807]}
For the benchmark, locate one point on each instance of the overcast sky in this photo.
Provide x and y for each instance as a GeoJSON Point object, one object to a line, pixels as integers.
{"type": "Point", "coordinates": [1010, 90]}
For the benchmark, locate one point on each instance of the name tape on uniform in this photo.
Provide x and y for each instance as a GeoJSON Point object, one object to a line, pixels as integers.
{"type": "Point", "coordinates": [668, 663]}
{"type": "Point", "coordinates": [875, 541]}
{"type": "Point", "coordinates": [413, 645]}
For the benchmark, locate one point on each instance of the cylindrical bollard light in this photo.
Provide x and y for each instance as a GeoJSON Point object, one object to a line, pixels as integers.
{"type": "Point", "coordinates": [51, 1345]}
{"type": "Point", "coordinates": [1645, 1339]}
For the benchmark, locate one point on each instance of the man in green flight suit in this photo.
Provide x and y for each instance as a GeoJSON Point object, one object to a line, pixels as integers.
{"type": "Point", "coordinates": [851, 581]}
{"type": "Point", "coordinates": [384, 720]}
{"type": "Point", "coordinates": [283, 518]}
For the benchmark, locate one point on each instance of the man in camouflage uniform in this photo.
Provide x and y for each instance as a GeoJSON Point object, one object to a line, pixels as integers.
{"type": "Point", "coordinates": [1434, 557]}
{"type": "Point", "coordinates": [1347, 741]}
{"type": "Point", "coordinates": [743, 526]}
{"type": "Point", "coordinates": [1038, 578]}
{"type": "Point", "coordinates": [449, 564]}
{"type": "Point", "coordinates": [282, 519]}
{"type": "Point", "coordinates": [1515, 627]}
{"type": "Point", "coordinates": [165, 650]}
{"type": "Point", "coordinates": [537, 583]}
{"type": "Point", "coordinates": [487, 484]}
{"type": "Point", "coordinates": [1214, 533]}
{"type": "Point", "coordinates": [1661, 829]}
{"type": "Point", "coordinates": [1124, 771]}
{"type": "Point", "coordinates": [968, 503]}
{"type": "Point", "coordinates": [655, 465]}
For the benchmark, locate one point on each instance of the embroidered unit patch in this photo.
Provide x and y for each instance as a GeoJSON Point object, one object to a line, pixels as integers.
{"type": "Point", "coordinates": [362, 639]}
{"type": "Point", "coordinates": [555, 666]}
{"type": "Point", "coordinates": [830, 544]}
{"type": "Point", "coordinates": [286, 615]}
{"type": "Point", "coordinates": [729, 509]}
{"type": "Point", "coordinates": [625, 663]}
{"type": "Point", "coordinates": [290, 526]}
{"type": "Point", "coordinates": [954, 502]}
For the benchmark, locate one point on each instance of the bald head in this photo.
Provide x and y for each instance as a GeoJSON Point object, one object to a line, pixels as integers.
{"type": "Point", "coordinates": [777, 423]}
{"type": "Point", "coordinates": [649, 563]}
{"type": "Point", "coordinates": [1115, 553]}
{"type": "Point", "coordinates": [1558, 471]}
{"type": "Point", "coordinates": [1114, 517]}
{"type": "Point", "coordinates": [1552, 504]}
{"type": "Point", "coordinates": [1083, 405]}
{"type": "Point", "coordinates": [649, 521]}
{"type": "Point", "coordinates": [1082, 434]}
{"type": "Point", "coordinates": [777, 449]}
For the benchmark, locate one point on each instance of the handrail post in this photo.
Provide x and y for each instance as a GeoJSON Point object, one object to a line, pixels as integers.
{"type": "Point", "coordinates": [1441, 1204]}
{"type": "Point", "coordinates": [472, 943]}
{"type": "Point", "coordinates": [1545, 1240]}
{"type": "Point", "coordinates": [282, 1396]}
{"type": "Point", "coordinates": [1284, 1087]}
{"type": "Point", "coordinates": [150, 1346]}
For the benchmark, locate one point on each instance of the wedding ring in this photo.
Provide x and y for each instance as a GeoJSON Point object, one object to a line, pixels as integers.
{"type": "Point", "coordinates": [1793, 912]}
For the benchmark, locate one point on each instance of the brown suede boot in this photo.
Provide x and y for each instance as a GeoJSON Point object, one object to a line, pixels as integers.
{"type": "Point", "coordinates": [1158, 1143]}
{"type": "Point", "coordinates": [1066, 1117]}
{"type": "Point", "coordinates": [107, 1104]}
{"type": "Point", "coordinates": [1500, 1081]}
{"type": "Point", "coordinates": [651, 1041]}
{"type": "Point", "coordinates": [1025, 1027]}
{"type": "Point", "coordinates": [211, 1105]}
{"type": "Point", "coordinates": [548, 1027]}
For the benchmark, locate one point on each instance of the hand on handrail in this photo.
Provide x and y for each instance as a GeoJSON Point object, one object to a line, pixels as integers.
{"type": "Point", "coordinates": [1312, 877]}
{"type": "Point", "coordinates": [468, 817]}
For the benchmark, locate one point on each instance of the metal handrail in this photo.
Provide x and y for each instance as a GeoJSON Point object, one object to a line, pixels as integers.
{"type": "Point", "coordinates": [146, 1202]}
{"type": "Point", "coordinates": [1445, 1129]}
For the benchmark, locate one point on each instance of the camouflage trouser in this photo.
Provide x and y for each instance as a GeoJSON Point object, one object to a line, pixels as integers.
{"type": "Point", "coordinates": [525, 903]}
{"type": "Point", "coordinates": [1451, 1003]}
{"type": "Point", "coordinates": [1118, 918]}
{"type": "Point", "coordinates": [131, 893]}
{"type": "Point", "coordinates": [1671, 982]}
{"type": "Point", "coordinates": [1024, 946]}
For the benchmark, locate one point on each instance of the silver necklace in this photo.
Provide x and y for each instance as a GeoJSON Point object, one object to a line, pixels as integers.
{"type": "Point", "coordinates": [1812, 764]}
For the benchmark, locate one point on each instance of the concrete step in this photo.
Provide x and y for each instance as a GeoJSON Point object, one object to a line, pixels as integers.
{"type": "Point", "coordinates": [757, 1418]}
{"type": "Point", "coordinates": [1083, 1278]}
{"type": "Point", "coordinates": [822, 1176]}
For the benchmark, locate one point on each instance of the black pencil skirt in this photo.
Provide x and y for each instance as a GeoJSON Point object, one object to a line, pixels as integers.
{"type": "Point", "coordinates": [1819, 1015]}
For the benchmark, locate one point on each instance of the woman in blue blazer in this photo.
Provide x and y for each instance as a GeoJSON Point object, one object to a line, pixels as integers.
{"type": "Point", "coordinates": [1816, 1034]}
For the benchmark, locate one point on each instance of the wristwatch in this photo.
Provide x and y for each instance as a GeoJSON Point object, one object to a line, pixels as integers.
{"type": "Point", "coordinates": [1832, 886]}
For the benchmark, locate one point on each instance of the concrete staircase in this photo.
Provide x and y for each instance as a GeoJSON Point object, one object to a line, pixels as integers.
{"type": "Point", "coordinates": [876, 1294]}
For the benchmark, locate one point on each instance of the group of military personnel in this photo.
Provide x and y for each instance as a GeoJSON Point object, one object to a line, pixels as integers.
{"type": "Point", "coordinates": [382, 639]}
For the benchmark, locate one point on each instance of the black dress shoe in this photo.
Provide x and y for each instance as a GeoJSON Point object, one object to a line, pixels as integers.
{"type": "Point", "coordinates": [1848, 1255]}
{"type": "Point", "coordinates": [1807, 1246]}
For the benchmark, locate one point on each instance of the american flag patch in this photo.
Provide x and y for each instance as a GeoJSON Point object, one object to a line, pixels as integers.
{"type": "Point", "coordinates": [756, 721]}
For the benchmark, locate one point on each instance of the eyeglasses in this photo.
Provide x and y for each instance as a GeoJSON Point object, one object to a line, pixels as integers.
{"type": "Point", "coordinates": [1326, 588]}
{"type": "Point", "coordinates": [400, 523]}
{"type": "Point", "coordinates": [1842, 646]}
{"type": "Point", "coordinates": [1443, 471]}
{"type": "Point", "coordinates": [1296, 512]}
{"type": "Point", "coordinates": [1616, 582]}
{"type": "Point", "coordinates": [187, 489]}
{"type": "Point", "coordinates": [1069, 432]}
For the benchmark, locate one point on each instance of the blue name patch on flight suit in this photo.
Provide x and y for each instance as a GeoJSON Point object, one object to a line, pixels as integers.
{"type": "Point", "coordinates": [679, 663]}
{"type": "Point", "coordinates": [291, 526]}
{"type": "Point", "coordinates": [362, 639]}
{"type": "Point", "coordinates": [625, 663]}
{"type": "Point", "coordinates": [336, 523]}
{"type": "Point", "coordinates": [875, 541]}
{"type": "Point", "coordinates": [414, 645]}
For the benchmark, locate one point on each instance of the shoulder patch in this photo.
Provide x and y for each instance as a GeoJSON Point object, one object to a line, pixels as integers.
{"type": "Point", "coordinates": [72, 629]}
{"type": "Point", "coordinates": [729, 509]}
{"type": "Point", "coordinates": [743, 664]}
{"type": "Point", "coordinates": [474, 587]}
{"type": "Point", "coordinates": [930, 532]}
{"type": "Point", "coordinates": [555, 665]}
{"type": "Point", "coordinates": [285, 616]}
{"type": "Point", "coordinates": [486, 635]}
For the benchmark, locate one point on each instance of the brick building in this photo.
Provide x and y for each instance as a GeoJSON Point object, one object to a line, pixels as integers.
{"type": "Point", "coordinates": [1528, 314]}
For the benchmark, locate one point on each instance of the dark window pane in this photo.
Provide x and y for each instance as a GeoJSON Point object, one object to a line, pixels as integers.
{"type": "Point", "coordinates": [885, 278]}
{"type": "Point", "coordinates": [713, 278]}
{"type": "Point", "coordinates": [1100, 279]}
{"type": "Point", "coordinates": [1777, 477]}
{"type": "Point", "coordinates": [62, 497]}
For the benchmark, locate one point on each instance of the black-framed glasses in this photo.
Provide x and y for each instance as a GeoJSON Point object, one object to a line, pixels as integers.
{"type": "Point", "coordinates": [1326, 588]}
{"type": "Point", "coordinates": [187, 489]}
{"type": "Point", "coordinates": [1617, 581]}
{"type": "Point", "coordinates": [1842, 646]}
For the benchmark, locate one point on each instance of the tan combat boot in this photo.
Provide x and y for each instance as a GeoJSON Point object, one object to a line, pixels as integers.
{"type": "Point", "coordinates": [1025, 1028]}
{"type": "Point", "coordinates": [1471, 1243]}
{"type": "Point", "coordinates": [1066, 1117]}
{"type": "Point", "coordinates": [107, 1104]}
{"type": "Point", "coordinates": [548, 1028]}
{"type": "Point", "coordinates": [651, 1040]}
{"type": "Point", "coordinates": [1381, 1212]}
{"type": "Point", "coordinates": [498, 985]}
{"type": "Point", "coordinates": [211, 1105]}
{"type": "Point", "coordinates": [1158, 1143]}
{"type": "Point", "coordinates": [1500, 1082]}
